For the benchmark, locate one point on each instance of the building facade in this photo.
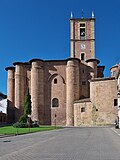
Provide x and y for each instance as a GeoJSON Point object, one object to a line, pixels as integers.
{"type": "Point", "coordinates": [68, 92]}
{"type": "Point", "coordinates": [117, 75]}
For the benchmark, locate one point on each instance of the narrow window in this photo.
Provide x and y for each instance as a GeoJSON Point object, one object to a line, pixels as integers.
{"type": "Point", "coordinates": [115, 102]}
{"type": "Point", "coordinates": [82, 33]}
{"type": "Point", "coordinates": [55, 102]}
{"type": "Point", "coordinates": [55, 81]}
{"type": "Point", "coordinates": [82, 56]}
{"type": "Point", "coordinates": [83, 109]}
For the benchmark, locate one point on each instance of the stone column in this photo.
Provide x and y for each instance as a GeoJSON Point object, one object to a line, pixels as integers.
{"type": "Point", "coordinates": [92, 63]}
{"type": "Point", "coordinates": [10, 84]}
{"type": "Point", "coordinates": [72, 88]}
{"type": "Point", "coordinates": [19, 90]}
{"type": "Point", "coordinates": [10, 94]}
{"type": "Point", "coordinates": [37, 90]}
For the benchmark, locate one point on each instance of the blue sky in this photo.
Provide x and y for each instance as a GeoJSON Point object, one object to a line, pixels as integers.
{"type": "Point", "coordinates": [40, 29]}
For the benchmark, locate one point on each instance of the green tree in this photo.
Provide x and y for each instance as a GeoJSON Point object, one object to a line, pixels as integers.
{"type": "Point", "coordinates": [27, 103]}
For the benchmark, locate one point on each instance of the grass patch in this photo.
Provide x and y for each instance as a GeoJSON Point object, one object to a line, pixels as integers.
{"type": "Point", "coordinates": [10, 130]}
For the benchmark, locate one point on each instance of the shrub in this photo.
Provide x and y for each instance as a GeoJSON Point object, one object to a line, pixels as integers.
{"type": "Point", "coordinates": [25, 125]}
{"type": "Point", "coordinates": [20, 125]}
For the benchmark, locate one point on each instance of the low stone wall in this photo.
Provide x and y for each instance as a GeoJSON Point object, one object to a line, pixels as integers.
{"type": "Point", "coordinates": [82, 113]}
{"type": "Point", "coordinates": [100, 109]}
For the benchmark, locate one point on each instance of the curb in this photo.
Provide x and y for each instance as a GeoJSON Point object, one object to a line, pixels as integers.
{"type": "Point", "coordinates": [4, 136]}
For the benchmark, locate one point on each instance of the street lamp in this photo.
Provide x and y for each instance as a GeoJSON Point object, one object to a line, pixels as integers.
{"type": "Point", "coordinates": [55, 120]}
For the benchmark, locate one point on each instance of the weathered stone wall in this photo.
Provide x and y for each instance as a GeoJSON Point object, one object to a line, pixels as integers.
{"type": "Point", "coordinates": [100, 110]}
{"type": "Point", "coordinates": [82, 117]}
{"type": "Point", "coordinates": [102, 94]}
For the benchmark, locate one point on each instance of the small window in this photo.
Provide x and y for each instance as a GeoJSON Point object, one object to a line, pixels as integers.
{"type": "Point", "coordinates": [55, 102]}
{"type": "Point", "coordinates": [55, 81]}
{"type": "Point", "coordinates": [115, 102]}
{"type": "Point", "coordinates": [83, 109]}
{"type": "Point", "coordinates": [83, 82]}
{"type": "Point", "coordinates": [82, 56]}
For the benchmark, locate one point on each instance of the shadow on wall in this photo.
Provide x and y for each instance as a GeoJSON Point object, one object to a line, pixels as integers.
{"type": "Point", "coordinates": [13, 114]}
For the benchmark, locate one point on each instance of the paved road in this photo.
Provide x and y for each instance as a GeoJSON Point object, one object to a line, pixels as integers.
{"type": "Point", "coordinates": [64, 144]}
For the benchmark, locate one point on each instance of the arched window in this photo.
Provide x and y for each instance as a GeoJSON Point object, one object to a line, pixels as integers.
{"type": "Point", "coordinates": [55, 102]}
{"type": "Point", "coordinates": [55, 81]}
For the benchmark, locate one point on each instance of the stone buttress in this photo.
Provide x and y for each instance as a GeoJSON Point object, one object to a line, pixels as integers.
{"type": "Point", "coordinates": [19, 89]}
{"type": "Point", "coordinates": [37, 90]}
{"type": "Point", "coordinates": [10, 93]}
{"type": "Point", "coordinates": [72, 88]}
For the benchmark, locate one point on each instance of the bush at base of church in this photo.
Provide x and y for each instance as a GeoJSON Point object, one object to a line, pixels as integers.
{"type": "Point", "coordinates": [26, 125]}
{"type": "Point", "coordinates": [20, 125]}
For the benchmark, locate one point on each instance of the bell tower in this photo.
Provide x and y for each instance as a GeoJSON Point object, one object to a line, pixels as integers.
{"type": "Point", "coordinates": [82, 38]}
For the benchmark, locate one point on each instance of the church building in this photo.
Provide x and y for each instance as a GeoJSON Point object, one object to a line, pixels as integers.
{"type": "Point", "coordinates": [69, 92]}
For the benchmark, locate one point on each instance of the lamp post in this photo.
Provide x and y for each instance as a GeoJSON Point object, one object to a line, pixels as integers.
{"type": "Point", "coordinates": [55, 120]}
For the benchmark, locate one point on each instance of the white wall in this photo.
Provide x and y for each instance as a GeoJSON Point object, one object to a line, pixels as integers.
{"type": "Point", "coordinates": [3, 106]}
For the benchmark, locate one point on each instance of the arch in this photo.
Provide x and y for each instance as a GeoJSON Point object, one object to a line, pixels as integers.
{"type": "Point", "coordinates": [55, 75]}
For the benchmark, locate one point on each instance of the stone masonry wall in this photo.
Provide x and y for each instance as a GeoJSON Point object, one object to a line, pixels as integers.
{"type": "Point", "coordinates": [82, 113]}
{"type": "Point", "coordinates": [102, 95]}
{"type": "Point", "coordinates": [55, 70]}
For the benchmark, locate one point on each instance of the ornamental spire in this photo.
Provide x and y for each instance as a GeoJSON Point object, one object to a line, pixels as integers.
{"type": "Point", "coordinates": [71, 16]}
{"type": "Point", "coordinates": [82, 13]}
{"type": "Point", "coordinates": [93, 14]}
